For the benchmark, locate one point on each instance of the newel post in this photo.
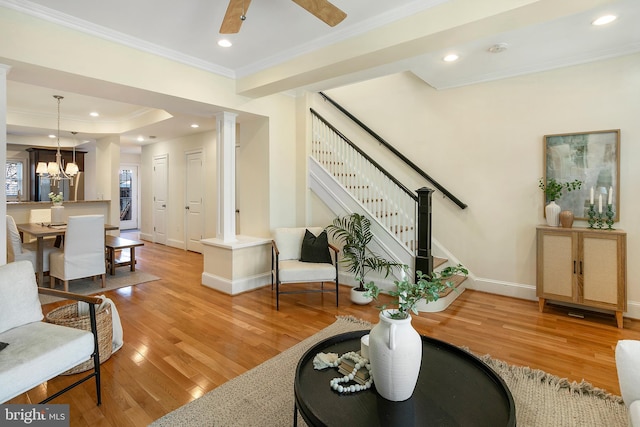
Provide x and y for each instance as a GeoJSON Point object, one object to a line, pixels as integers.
{"type": "Point", "coordinates": [424, 258]}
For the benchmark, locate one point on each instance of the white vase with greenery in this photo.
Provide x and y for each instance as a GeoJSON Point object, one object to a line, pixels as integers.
{"type": "Point", "coordinates": [395, 347]}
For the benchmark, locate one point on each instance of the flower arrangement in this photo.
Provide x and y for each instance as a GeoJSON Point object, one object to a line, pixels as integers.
{"type": "Point", "coordinates": [407, 294]}
{"type": "Point", "coordinates": [56, 198]}
{"type": "Point", "coordinates": [553, 189]}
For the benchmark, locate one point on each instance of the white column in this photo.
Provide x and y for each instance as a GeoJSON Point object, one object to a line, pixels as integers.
{"type": "Point", "coordinates": [226, 159]}
{"type": "Point", "coordinates": [4, 70]}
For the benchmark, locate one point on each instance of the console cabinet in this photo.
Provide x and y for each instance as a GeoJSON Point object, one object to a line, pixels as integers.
{"type": "Point", "coordinates": [582, 266]}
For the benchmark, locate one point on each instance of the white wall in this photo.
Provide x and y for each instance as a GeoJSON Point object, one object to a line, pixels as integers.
{"type": "Point", "coordinates": [176, 150]}
{"type": "Point", "coordinates": [485, 144]}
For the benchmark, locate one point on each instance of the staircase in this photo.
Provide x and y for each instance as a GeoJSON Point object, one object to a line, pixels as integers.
{"type": "Point", "coordinates": [348, 180]}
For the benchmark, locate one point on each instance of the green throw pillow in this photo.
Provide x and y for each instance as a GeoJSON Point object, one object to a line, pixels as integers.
{"type": "Point", "coordinates": [315, 249]}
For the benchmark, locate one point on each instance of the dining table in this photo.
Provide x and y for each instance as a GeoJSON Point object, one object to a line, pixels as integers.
{"type": "Point", "coordinates": [40, 230]}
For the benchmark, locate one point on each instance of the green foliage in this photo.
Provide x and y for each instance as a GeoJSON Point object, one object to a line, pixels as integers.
{"type": "Point", "coordinates": [553, 189]}
{"type": "Point", "coordinates": [56, 198]}
{"type": "Point", "coordinates": [354, 232]}
{"type": "Point", "coordinates": [407, 294]}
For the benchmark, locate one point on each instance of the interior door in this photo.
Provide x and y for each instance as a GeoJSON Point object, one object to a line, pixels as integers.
{"type": "Point", "coordinates": [160, 182]}
{"type": "Point", "coordinates": [193, 204]}
{"type": "Point", "coordinates": [128, 197]}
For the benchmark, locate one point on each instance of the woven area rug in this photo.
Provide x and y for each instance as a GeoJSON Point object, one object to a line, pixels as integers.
{"type": "Point", "coordinates": [123, 277]}
{"type": "Point", "coordinates": [254, 399]}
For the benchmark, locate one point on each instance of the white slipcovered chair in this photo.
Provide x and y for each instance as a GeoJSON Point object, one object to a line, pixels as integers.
{"type": "Point", "coordinates": [290, 264]}
{"type": "Point", "coordinates": [628, 366]}
{"type": "Point", "coordinates": [17, 251]}
{"type": "Point", "coordinates": [83, 254]}
{"type": "Point", "coordinates": [39, 216]}
{"type": "Point", "coordinates": [37, 351]}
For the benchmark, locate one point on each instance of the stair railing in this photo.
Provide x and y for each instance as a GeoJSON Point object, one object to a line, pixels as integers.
{"type": "Point", "coordinates": [398, 154]}
{"type": "Point", "coordinates": [384, 197]}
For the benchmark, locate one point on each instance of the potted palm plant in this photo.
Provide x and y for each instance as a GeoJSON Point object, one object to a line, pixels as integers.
{"type": "Point", "coordinates": [354, 233]}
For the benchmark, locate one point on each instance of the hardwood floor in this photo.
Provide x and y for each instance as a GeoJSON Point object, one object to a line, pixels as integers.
{"type": "Point", "coordinates": [183, 339]}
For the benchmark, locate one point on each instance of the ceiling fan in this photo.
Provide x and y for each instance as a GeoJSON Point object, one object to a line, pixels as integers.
{"type": "Point", "coordinates": [321, 9]}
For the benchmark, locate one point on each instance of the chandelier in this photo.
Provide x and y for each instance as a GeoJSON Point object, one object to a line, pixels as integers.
{"type": "Point", "coordinates": [55, 170]}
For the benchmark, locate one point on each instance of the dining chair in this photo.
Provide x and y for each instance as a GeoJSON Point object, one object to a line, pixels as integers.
{"type": "Point", "coordinates": [17, 251]}
{"type": "Point", "coordinates": [39, 216]}
{"type": "Point", "coordinates": [83, 253]}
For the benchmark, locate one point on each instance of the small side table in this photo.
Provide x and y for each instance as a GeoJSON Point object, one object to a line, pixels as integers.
{"type": "Point", "coordinates": [454, 388]}
{"type": "Point", "coordinates": [113, 243]}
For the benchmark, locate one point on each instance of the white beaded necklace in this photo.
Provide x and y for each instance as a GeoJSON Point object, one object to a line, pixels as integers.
{"type": "Point", "coordinates": [360, 362]}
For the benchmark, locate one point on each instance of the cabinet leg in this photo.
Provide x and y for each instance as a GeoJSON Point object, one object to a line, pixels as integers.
{"type": "Point", "coordinates": [541, 302]}
{"type": "Point", "coordinates": [619, 319]}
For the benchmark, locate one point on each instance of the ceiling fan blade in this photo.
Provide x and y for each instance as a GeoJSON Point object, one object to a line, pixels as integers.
{"type": "Point", "coordinates": [232, 18]}
{"type": "Point", "coordinates": [323, 10]}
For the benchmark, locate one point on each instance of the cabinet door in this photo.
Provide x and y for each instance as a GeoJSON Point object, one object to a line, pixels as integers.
{"type": "Point", "coordinates": [556, 269]}
{"type": "Point", "coordinates": [601, 274]}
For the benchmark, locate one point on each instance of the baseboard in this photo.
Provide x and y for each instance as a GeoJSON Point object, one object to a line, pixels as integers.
{"type": "Point", "coordinates": [235, 287]}
{"type": "Point", "coordinates": [179, 244]}
{"type": "Point", "coordinates": [528, 292]}
{"type": "Point", "coordinates": [146, 236]}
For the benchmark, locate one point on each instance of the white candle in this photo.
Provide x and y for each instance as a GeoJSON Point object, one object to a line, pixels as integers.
{"type": "Point", "coordinates": [591, 195]}
{"type": "Point", "coordinates": [600, 203]}
{"type": "Point", "coordinates": [610, 195]}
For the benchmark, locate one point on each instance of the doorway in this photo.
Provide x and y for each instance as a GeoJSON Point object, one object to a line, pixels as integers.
{"type": "Point", "coordinates": [129, 213]}
{"type": "Point", "coordinates": [160, 182]}
{"type": "Point", "coordinates": [194, 212]}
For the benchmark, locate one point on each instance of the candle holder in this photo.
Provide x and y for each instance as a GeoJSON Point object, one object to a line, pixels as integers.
{"type": "Point", "coordinates": [609, 215]}
{"type": "Point", "coordinates": [600, 220]}
{"type": "Point", "coordinates": [592, 215]}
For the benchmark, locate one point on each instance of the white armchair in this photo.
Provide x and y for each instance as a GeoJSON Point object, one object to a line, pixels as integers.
{"type": "Point", "coordinates": [84, 252]}
{"type": "Point", "coordinates": [17, 251]}
{"type": "Point", "coordinates": [627, 363]}
{"type": "Point", "coordinates": [293, 263]}
{"type": "Point", "coordinates": [37, 351]}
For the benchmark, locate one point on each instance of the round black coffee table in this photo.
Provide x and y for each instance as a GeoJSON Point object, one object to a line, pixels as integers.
{"type": "Point", "coordinates": [454, 388]}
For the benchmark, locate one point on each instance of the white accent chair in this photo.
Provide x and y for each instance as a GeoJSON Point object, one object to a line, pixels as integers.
{"type": "Point", "coordinates": [17, 251]}
{"type": "Point", "coordinates": [38, 351]}
{"type": "Point", "coordinates": [84, 252]}
{"type": "Point", "coordinates": [628, 364]}
{"type": "Point", "coordinates": [287, 267]}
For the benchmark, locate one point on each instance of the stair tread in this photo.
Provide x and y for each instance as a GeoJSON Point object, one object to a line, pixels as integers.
{"type": "Point", "coordinates": [437, 262]}
{"type": "Point", "coordinates": [457, 281]}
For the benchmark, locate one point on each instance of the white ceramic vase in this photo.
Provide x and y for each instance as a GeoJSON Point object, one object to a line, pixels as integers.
{"type": "Point", "coordinates": [57, 214]}
{"type": "Point", "coordinates": [552, 212]}
{"type": "Point", "coordinates": [395, 351]}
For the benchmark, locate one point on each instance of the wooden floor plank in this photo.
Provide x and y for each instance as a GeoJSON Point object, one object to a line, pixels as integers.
{"type": "Point", "coordinates": [183, 339]}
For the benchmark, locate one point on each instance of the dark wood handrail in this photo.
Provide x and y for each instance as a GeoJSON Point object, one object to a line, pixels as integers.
{"type": "Point", "coordinates": [363, 154]}
{"type": "Point", "coordinates": [413, 166]}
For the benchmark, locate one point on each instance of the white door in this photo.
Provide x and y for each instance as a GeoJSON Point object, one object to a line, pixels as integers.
{"type": "Point", "coordinates": [160, 176]}
{"type": "Point", "coordinates": [194, 213]}
{"type": "Point", "coordinates": [128, 197]}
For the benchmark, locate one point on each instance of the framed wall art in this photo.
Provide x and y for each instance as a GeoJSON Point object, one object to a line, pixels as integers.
{"type": "Point", "coordinates": [590, 157]}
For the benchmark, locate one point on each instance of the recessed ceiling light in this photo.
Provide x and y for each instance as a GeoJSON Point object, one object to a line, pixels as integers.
{"type": "Point", "coordinates": [140, 139]}
{"type": "Point", "coordinates": [451, 57]}
{"type": "Point", "coordinates": [195, 125]}
{"type": "Point", "coordinates": [94, 114]}
{"type": "Point", "coordinates": [52, 136]}
{"type": "Point", "coordinates": [224, 43]}
{"type": "Point", "coordinates": [603, 20]}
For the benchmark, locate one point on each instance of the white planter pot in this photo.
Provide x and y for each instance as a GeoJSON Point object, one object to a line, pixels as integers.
{"type": "Point", "coordinates": [552, 212]}
{"type": "Point", "coordinates": [395, 352]}
{"type": "Point", "coordinates": [358, 297]}
{"type": "Point", "coordinates": [57, 214]}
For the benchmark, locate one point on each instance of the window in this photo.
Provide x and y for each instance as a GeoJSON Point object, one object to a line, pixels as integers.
{"type": "Point", "coordinates": [14, 179]}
